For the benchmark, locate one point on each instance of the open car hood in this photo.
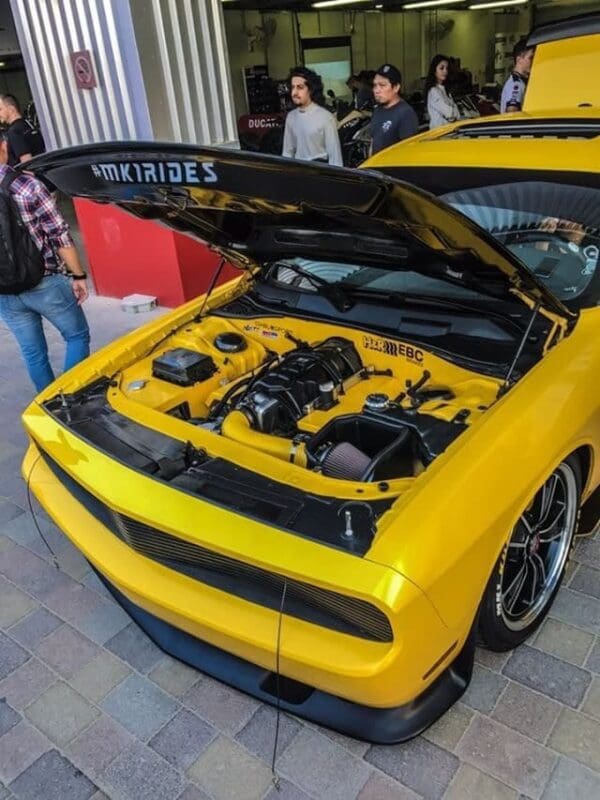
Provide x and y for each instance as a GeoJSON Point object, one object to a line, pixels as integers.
{"type": "Point", "coordinates": [254, 208]}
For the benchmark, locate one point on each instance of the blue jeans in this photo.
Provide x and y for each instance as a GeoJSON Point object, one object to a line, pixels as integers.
{"type": "Point", "coordinates": [52, 299]}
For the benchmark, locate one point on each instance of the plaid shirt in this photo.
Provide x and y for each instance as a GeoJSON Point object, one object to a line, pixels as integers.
{"type": "Point", "coordinates": [44, 221]}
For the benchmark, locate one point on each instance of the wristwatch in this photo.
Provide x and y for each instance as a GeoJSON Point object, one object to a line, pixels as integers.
{"type": "Point", "coordinates": [79, 277]}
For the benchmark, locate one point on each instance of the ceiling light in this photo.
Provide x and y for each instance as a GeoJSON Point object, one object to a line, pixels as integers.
{"type": "Point", "coordinates": [498, 4]}
{"type": "Point", "coordinates": [2, 63]}
{"type": "Point", "coordinates": [330, 3]}
{"type": "Point", "coordinates": [430, 3]}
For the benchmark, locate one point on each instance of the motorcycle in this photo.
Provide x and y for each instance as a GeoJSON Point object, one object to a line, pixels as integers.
{"type": "Point", "coordinates": [353, 130]}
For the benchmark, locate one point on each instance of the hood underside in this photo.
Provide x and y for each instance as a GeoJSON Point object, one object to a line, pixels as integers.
{"type": "Point", "coordinates": [253, 208]}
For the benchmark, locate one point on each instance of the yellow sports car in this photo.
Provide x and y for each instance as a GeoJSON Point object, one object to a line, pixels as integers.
{"type": "Point", "coordinates": [321, 481]}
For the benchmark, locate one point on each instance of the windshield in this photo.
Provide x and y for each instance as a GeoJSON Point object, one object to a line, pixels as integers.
{"type": "Point", "coordinates": [554, 228]}
{"type": "Point", "coordinates": [304, 273]}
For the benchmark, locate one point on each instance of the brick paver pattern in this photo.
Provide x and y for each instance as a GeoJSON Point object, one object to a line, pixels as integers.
{"type": "Point", "coordinates": [91, 709]}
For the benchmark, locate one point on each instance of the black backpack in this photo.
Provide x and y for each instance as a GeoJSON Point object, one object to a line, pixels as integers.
{"type": "Point", "coordinates": [34, 138]}
{"type": "Point", "coordinates": [21, 261]}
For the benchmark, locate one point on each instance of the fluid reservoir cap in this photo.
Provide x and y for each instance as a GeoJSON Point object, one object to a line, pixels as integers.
{"type": "Point", "coordinates": [326, 386]}
{"type": "Point", "coordinates": [377, 401]}
{"type": "Point", "coordinates": [230, 342]}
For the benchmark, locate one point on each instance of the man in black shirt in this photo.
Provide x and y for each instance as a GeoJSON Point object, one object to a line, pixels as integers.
{"type": "Point", "coordinates": [393, 119]}
{"type": "Point", "coordinates": [24, 141]}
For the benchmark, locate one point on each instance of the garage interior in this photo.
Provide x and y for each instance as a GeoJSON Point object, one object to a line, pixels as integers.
{"type": "Point", "coordinates": [267, 38]}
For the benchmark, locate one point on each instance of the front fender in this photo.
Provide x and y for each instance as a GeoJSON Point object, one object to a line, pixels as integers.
{"type": "Point", "coordinates": [445, 535]}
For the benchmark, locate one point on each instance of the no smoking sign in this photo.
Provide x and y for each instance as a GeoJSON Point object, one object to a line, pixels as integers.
{"type": "Point", "coordinates": [83, 69]}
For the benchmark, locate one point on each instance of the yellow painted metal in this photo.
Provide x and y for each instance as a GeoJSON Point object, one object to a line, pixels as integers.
{"type": "Point", "coordinates": [447, 532]}
{"type": "Point", "coordinates": [565, 74]}
{"type": "Point", "coordinates": [432, 149]}
{"type": "Point", "coordinates": [236, 426]}
{"type": "Point", "coordinates": [378, 674]}
{"type": "Point", "coordinates": [434, 548]}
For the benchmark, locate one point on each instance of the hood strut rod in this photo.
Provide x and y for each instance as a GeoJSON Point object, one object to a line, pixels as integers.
{"type": "Point", "coordinates": [506, 385]}
{"type": "Point", "coordinates": [211, 286]}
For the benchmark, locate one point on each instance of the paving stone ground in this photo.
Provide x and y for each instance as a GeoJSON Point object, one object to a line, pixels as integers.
{"type": "Point", "coordinates": [90, 709]}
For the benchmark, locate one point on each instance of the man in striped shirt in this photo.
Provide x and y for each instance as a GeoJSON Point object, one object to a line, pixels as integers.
{"type": "Point", "coordinates": [60, 293]}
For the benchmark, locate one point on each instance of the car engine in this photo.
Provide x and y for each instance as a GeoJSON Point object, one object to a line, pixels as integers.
{"type": "Point", "coordinates": [366, 414]}
{"type": "Point", "coordinates": [306, 379]}
{"type": "Point", "coordinates": [272, 411]}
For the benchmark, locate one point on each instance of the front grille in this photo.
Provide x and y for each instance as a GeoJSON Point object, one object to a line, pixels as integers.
{"type": "Point", "coordinates": [322, 607]}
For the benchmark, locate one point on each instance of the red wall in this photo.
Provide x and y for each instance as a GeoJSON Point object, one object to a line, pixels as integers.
{"type": "Point", "coordinates": [128, 255]}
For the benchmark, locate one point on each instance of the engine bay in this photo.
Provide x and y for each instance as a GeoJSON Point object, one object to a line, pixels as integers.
{"type": "Point", "coordinates": [334, 401]}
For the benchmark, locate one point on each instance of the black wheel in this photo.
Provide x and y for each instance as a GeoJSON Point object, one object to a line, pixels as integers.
{"type": "Point", "coordinates": [530, 569]}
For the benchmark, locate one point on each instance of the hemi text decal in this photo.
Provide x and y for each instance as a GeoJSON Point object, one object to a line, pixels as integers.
{"type": "Point", "coordinates": [393, 348]}
{"type": "Point", "coordinates": [157, 172]}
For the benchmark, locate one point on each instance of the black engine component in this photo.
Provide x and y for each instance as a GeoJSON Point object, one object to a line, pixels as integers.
{"type": "Point", "coordinates": [230, 342]}
{"type": "Point", "coordinates": [355, 447]}
{"type": "Point", "coordinates": [306, 378]}
{"type": "Point", "coordinates": [431, 435]}
{"type": "Point", "coordinates": [183, 367]}
{"type": "Point", "coordinates": [380, 445]}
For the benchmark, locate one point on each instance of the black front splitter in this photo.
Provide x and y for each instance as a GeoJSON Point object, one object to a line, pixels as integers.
{"type": "Point", "coordinates": [379, 725]}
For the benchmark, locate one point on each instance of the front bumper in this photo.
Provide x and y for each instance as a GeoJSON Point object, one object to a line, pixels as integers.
{"type": "Point", "coordinates": [379, 725]}
{"type": "Point", "coordinates": [383, 691]}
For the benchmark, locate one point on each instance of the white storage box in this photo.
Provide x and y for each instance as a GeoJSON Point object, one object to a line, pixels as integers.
{"type": "Point", "coordinates": [135, 303]}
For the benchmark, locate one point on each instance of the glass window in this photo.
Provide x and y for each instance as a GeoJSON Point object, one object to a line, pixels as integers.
{"type": "Point", "coordinates": [307, 274]}
{"type": "Point", "coordinates": [553, 228]}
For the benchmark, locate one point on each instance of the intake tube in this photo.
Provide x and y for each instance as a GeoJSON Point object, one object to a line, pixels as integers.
{"type": "Point", "coordinates": [236, 426]}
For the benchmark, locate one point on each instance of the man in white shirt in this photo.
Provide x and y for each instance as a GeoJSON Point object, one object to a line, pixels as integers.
{"type": "Point", "coordinates": [514, 88]}
{"type": "Point", "coordinates": [310, 130]}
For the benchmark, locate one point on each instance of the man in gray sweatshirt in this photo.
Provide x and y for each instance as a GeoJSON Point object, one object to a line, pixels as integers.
{"type": "Point", "coordinates": [310, 130]}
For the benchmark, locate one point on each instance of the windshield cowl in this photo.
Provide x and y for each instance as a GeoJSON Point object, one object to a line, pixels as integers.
{"type": "Point", "coordinates": [474, 340]}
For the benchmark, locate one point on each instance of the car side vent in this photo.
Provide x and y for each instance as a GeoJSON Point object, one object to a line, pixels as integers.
{"type": "Point", "coordinates": [300, 238]}
{"type": "Point", "coordinates": [382, 248]}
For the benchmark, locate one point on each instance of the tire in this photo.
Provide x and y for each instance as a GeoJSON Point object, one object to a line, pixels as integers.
{"type": "Point", "coordinates": [530, 569]}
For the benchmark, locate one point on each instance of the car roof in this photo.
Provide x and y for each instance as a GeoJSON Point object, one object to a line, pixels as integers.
{"type": "Point", "coordinates": [551, 155]}
{"type": "Point", "coordinates": [552, 141]}
{"type": "Point", "coordinates": [551, 114]}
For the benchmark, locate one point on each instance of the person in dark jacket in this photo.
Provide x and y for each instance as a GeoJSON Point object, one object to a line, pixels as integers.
{"type": "Point", "coordinates": [393, 119]}
{"type": "Point", "coordinates": [24, 141]}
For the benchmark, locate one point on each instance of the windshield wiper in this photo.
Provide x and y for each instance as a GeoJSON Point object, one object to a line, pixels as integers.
{"type": "Point", "coordinates": [336, 295]}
